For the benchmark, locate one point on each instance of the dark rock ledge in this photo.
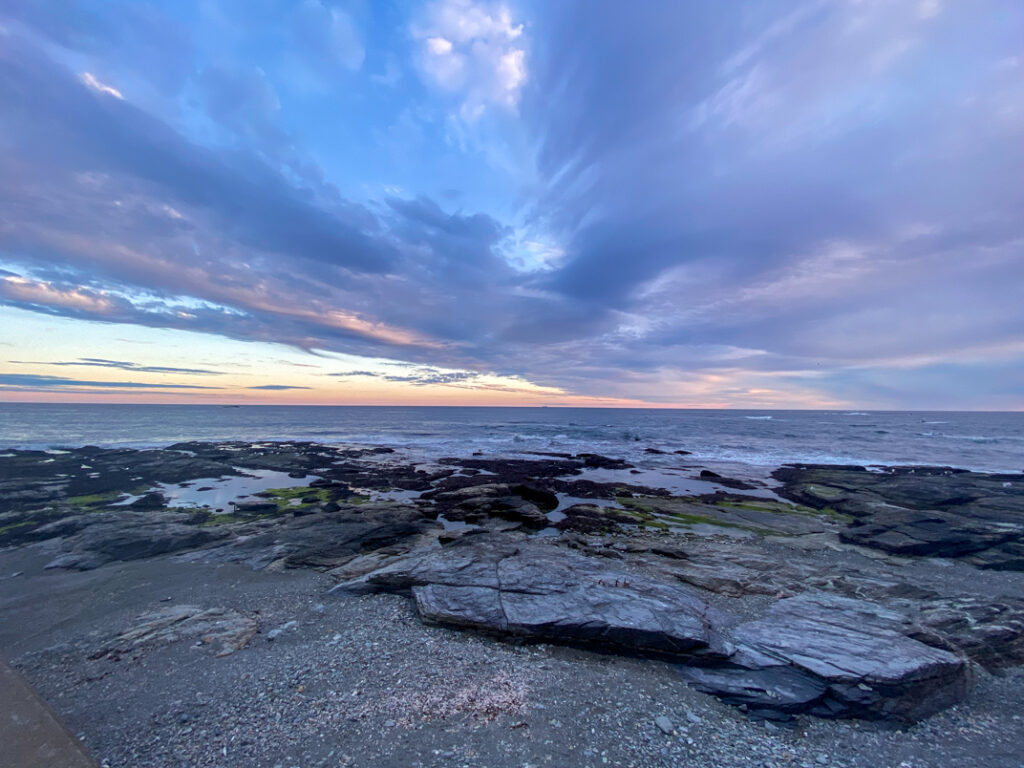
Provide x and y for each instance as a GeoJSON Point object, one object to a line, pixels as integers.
{"type": "Point", "coordinates": [821, 654]}
{"type": "Point", "coordinates": [920, 511]}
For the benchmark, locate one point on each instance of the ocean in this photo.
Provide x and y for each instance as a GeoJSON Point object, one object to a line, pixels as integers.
{"type": "Point", "coordinates": [973, 440]}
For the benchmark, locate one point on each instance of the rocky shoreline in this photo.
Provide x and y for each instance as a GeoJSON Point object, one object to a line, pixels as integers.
{"type": "Point", "coordinates": [886, 595]}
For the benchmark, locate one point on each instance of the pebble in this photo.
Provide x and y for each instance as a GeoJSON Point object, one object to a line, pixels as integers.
{"type": "Point", "coordinates": [276, 633]}
{"type": "Point", "coordinates": [664, 724]}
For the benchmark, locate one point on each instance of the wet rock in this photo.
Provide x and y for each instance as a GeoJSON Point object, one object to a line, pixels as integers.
{"type": "Point", "coordinates": [546, 500]}
{"type": "Point", "coordinates": [597, 461]}
{"type": "Point", "coordinates": [254, 508]}
{"type": "Point", "coordinates": [592, 518]}
{"type": "Point", "coordinates": [728, 482]}
{"type": "Point", "coordinates": [474, 503]}
{"type": "Point", "coordinates": [153, 500]}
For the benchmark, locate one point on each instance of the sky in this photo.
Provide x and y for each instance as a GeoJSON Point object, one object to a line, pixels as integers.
{"type": "Point", "coordinates": [752, 204]}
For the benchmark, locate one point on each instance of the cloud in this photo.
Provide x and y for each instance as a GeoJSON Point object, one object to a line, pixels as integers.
{"type": "Point", "coordinates": [124, 366]}
{"type": "Point", "coordinates": [27, 381]}
{"type": "Point", "coordinates": [753, 206]}
{"type": "Point", "coordinates": [276, 387]}
{"type": "Point", "coordinates": [327, 37]}
{"type": "Point", "coordinates": [418, 377]}
{"type": "Point", "coordinates": [119, 144]}
{"type": "Point", "coordinates": [475, 50]}
{"type": "Point", "coordinates": [96, 85]}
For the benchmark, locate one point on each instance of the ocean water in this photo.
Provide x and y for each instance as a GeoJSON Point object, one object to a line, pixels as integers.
{"type": "Point", "coordinates": [973, 440]}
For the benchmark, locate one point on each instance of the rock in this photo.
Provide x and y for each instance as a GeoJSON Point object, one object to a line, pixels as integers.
{"type": "Point", "coordinates": [474, 503]}
{"type": "Point", "coordinates": [920, 511]}
{"type": "Point", "coordinates": [775, 692]}
{"type": "Point", "coordinates": [326, 541]}
{"type": "Point", "coordinates": [836, 657]}
{"type": "Point", "coordinates": [592, 518]}
{"type": "Point", "coordinates": [152, 500]}
{"type": "Point", "coordinates": [664, 725]}
{"type": "Point", "coordinates": [224, 630]}
{"type": "Point", "coordinates": [132, 536]}
{"type": "Point", "coordinates": [596, 461]}
{"type": "Point", "coordinates": [254, 508]}
{"type": "Point", "coordinates": [544, 499]}
{"type": "Point", "coordinates": [540, 592]}
{"type": "Point", "coordinates": [277, 632]}
{"type": "Point", "coordinates": [990, 632]}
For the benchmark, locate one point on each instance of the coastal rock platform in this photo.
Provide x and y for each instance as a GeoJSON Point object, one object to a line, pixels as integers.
{"type": "Point", "coordinates": [478, 588]}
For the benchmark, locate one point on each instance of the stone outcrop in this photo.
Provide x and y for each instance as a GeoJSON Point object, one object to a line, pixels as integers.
{"type": "Point", "coordinates": [920, 511]}
{"type": "Point", "coordinates": [835, 657]}
{"type": "Point", "coordinates": [823, 654]}
{"type": "Point", "coordinates": [132, 536]}
{"type": "Point", "coordinates": [591, 518]}
{"type": "Point", "coordinates": [540, 592]}
{"type": "Point", "coordinates": [474, 503]}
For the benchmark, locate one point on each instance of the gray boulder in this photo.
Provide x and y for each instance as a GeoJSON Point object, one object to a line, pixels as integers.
{"type": "Point", "coordinates": [836, 657]}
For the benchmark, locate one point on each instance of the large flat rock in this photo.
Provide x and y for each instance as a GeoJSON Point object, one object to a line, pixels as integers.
{"type": "Point", "coordinates": [543, 592]}
{"type": "Point", "coordinates": [819, 653]}
{"type": "Point", "coordinates": [837, 657]}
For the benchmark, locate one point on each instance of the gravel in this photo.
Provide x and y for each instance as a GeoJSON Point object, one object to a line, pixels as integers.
{"type": "Point", "coordinates": [360, 681]}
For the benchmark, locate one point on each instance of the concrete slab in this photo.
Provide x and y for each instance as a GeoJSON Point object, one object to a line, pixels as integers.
{"type": "Point", "coordinates": [31, 736]}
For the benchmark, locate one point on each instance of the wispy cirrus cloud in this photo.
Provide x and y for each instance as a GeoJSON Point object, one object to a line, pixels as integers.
{"type": "Point", "coordinates": [98, 362]}
{"type": "Point", "coordinates": [43, 383]}
{"type": "Point", "coordinates": [276, 387]}
{"type": "Point", "coordinates": [418, 377]}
